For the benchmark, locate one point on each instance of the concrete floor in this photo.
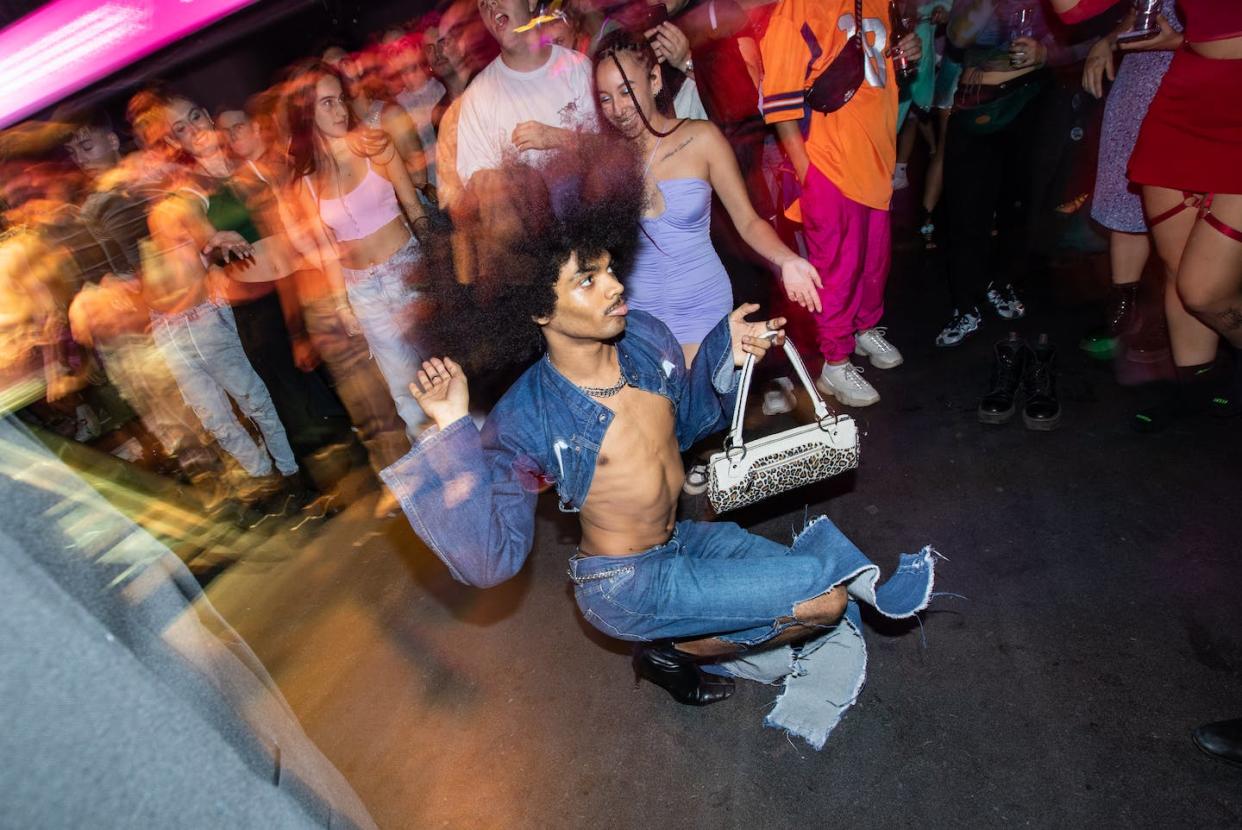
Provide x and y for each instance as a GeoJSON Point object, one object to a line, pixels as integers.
{"type": "Point", "coordinates": [1099, 624]}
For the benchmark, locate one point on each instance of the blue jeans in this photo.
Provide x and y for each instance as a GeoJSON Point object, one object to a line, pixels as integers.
{"type": "Point", "coordinates": [205, 356]}
{"type": "Point", "coordinates": [711, 579]}
{"type": "Point", "coordinates": [383, 300]}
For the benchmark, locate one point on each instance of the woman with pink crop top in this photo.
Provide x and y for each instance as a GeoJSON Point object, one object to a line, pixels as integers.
{"type": "Point", "coordinates": [1186, 161]}
{"type": "Point", "coordinates": [369, 219]}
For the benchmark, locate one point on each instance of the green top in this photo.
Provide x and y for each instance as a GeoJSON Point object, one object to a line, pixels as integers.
{"type": "Point", "coordinates": [227, 212]}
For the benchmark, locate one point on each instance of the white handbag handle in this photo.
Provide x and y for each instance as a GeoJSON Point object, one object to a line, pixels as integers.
{"type": "Point", "coordinates": [822, 411]}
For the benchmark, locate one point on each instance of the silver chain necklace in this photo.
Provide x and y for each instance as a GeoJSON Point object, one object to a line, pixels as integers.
{"type": "Point", "coordinates": [594, 391]}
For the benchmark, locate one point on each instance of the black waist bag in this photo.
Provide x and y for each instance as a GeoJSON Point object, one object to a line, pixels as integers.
{"type": "Point", "coordinates": [837, 84]}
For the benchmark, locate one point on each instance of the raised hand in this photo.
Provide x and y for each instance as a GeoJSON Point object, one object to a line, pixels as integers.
{"type": "Point", "coordinates": [753, 338]}
{"type": "Point", "coordinates": [441, 391]}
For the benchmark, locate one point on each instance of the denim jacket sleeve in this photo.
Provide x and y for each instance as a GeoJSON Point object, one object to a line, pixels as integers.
{"type": "Point", "coordinates": [463, 494]}
{"type": "Point", "coordinates": [709, 390]}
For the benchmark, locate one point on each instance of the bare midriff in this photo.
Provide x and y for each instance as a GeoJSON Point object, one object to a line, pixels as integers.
{"type": "Point", "coordinates": [1229, 48]}
{"type": "Point", "coordinates": [359, 254]}
{"type": "Point", "coordinates": [632, 503]}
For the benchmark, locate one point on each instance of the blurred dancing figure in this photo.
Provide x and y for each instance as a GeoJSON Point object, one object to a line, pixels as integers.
{"type": "Point", "coordinates": [367, 219]}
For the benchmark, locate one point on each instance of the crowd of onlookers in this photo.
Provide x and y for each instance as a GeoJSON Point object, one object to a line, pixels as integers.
{"type": "Point", "coordinates": [244, 284]}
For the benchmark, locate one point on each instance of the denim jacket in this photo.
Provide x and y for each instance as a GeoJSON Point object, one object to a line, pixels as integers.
{"type": "Point", "coordinates": [471, 496]}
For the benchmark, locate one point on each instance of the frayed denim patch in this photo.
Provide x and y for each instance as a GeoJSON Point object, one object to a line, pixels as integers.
{"type": "Point", "coordinates": [823, 676]}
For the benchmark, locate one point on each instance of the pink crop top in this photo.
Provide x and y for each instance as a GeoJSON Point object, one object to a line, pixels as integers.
{"type": "Point", "coordinates": [362, 211]}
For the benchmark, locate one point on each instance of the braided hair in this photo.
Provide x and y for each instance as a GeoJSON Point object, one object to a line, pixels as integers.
{"type": "Point", "coordinates": [623, 40]}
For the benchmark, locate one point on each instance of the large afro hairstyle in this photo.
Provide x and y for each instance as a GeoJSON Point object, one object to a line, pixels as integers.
{"type": "Point", "coordinates": [523, 224]}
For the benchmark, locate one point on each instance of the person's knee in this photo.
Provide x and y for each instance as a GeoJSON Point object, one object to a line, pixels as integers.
{"type": "Point", "coordinates": [1199, 296]}
{"type": "Point", "coordinates": [825, 609]}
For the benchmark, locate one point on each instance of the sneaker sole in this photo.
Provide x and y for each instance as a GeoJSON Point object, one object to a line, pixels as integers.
{"type": "Point", "coordinates": [845, 400]}
{"type": "Point", "coordinates": [887, 364]}
{"type": "Point", "coordinates": [1041, 424]}
{"type": "Point", "coordinates": [996, 417]}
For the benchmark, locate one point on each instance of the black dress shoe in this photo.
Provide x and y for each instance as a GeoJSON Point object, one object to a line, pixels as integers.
{"type": "Point", "coordinates": [1222, 739]}
{"type": "Point", "coordinates": [1039, 383]}
{"type": "Point", "coordinates": [678, 674]}
{"type": "Point", "coordinates": [996, 407]}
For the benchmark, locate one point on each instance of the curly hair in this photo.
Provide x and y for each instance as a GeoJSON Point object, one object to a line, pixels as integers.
{"type": "Point", "coordinates": [584, 200]}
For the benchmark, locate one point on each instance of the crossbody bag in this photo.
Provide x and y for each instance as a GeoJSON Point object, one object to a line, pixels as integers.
{"type": "Point", "coordinates": [837, 84]}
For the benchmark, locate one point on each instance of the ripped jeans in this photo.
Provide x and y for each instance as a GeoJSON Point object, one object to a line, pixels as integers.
{"type": "Point", "coordinates": [711, 579]}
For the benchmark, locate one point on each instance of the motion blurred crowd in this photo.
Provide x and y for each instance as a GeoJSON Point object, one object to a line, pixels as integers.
{"type": "Point", "coordinates": [225, 292]}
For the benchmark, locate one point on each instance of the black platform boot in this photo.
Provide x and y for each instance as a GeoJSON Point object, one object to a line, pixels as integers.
{"type": "Point", "coordinates": [1039, 383]}
{"type": "Point", "coordinates": [1012, 354]}
{"type": "Point", "coordinates": [1123, 309]}
{"type": "Point", "coordinates": [678, 674]}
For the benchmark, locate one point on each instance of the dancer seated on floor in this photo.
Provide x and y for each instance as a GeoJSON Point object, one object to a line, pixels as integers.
{"type": "Point", "coordinates": [603, 415]}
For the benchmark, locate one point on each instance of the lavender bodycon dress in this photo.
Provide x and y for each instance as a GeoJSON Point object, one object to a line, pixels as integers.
{"type": "Point", "coordinates": [1116, 204]}
{"type": "Point", "coordinates": [677, 275]}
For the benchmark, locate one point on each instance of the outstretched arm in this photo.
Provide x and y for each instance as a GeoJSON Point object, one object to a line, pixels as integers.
{"type": "Point", "coordinates": [463, 492]}
{"type": "Point", "coordinates": [801, 280]}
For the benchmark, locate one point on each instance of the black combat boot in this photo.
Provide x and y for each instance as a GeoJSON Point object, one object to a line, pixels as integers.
{"type": "Point", "coordinates": [1012, 355]}
{"type": "Point", "coordinates": [1039, 384]}
{"type": "Point", "coordinates": [678, 674]}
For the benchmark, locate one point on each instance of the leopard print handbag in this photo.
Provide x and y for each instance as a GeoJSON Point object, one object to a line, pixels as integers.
{"type": "Point", "coordinates": [744, 472]}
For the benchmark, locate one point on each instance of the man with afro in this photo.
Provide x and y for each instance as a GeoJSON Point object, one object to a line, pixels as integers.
{"type": "Point", "coordinates": [603, 413]}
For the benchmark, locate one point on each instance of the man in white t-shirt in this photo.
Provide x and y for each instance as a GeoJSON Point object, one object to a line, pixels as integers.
{"type": "Point", "coordinates": [532, 98]}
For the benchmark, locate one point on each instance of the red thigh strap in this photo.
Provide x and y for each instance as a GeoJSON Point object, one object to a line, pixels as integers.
{"type": "Point", "coordinates": [1232, 233]}
{"type": "Point", "coordinates": [1187, 202]}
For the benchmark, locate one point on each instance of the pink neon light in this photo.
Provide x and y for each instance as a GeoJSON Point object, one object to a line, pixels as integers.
{"type": "Point", "coordinates": [69, 44]}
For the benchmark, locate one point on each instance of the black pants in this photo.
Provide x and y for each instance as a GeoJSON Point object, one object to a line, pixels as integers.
{"type": "Point", "coordinates": [991, 181]}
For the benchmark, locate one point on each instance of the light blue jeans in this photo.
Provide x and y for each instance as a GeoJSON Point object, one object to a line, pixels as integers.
{"type": "Point", "coordinates": [384, 301]}
{"type": "Point", "coordinates": [718, 579]}
{"type": "Point", "coordinates": [205, 356]}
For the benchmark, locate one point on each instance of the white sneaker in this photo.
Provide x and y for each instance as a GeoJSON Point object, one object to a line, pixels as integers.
{"type": "Point", "coordinates": [871, 343]}
{"type": "Point", "coordinates": [846, 384]}
{"type": "Point", "coordinates": [696, 480]}
{"type": "Point", "coordinates": [900, 180]}
{"type": "Point", "coordinates": [780, 398]}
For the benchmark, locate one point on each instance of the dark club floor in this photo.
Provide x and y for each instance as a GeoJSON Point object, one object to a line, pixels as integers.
{"type": "Point", "coordinates": [1099, 624]}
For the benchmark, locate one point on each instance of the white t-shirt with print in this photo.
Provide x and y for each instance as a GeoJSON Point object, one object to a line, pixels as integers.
{"type": "Point", "coordinates": [559, 94]}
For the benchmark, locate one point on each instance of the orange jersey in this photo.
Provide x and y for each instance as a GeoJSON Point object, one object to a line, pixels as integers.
{"type": "Point", "coordinates": [856, 146]}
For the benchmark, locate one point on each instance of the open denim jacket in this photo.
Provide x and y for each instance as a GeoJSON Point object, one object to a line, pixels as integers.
{"type": "Point", "coordinates": [471, 496]}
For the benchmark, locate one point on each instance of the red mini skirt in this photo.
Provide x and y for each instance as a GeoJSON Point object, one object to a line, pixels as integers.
{"type": "Point", "coordinates": [1191, 138]}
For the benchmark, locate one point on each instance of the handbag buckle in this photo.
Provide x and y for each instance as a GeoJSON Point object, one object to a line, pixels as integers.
{"type": "Point", "coordinates": [729, 447]}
